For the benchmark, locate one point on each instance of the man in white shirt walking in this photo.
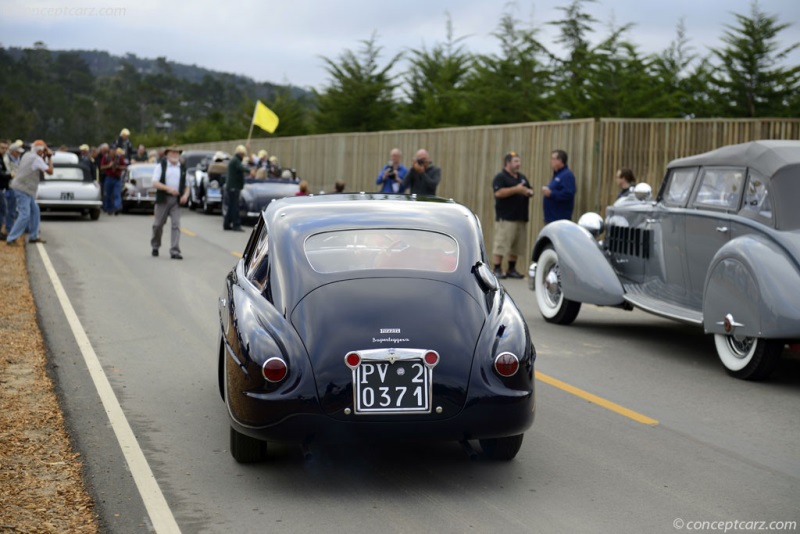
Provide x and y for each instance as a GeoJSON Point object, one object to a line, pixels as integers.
{"type": "Point", "coordinates": [172, 191]}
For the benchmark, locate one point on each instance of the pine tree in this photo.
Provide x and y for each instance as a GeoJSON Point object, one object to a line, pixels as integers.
{"type": "Point", "coordinates": [360, 96]}
{"type": "Point", "coordinates": [751, 79]}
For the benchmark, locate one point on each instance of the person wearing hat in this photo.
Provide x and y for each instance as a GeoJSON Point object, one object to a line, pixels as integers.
{"type": "Point", "coordinates": [172, 192]}
{"type": "Point", "coordinates": [218, 167]}
{"type": "Point", "coordinates": [234, 183]}
{"type": "Point", "coordinates": [124, 142]}
{"type": "Point", "coordinates": [25, 185]}
{"type": "Point", "coordinates": [12, 160]}
{"type": "Point", "coordinates": [112, 166]}
{"type": "Point", "coordinates": [274, 170]}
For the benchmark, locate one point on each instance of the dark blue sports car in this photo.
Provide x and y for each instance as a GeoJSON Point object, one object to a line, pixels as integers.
{"type": "Point", "coordinates": [359, 317]}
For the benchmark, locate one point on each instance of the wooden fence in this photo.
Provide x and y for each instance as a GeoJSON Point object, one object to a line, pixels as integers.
{"type": "Point", "coordinates": [470, 157]}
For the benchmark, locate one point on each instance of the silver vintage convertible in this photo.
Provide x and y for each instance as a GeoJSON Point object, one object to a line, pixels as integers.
{"type": "Point", "coordinates": [718, 247]}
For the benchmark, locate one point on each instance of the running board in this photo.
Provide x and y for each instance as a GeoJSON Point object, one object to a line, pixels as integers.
{"type": "Point", "coordinates": [664, 309]}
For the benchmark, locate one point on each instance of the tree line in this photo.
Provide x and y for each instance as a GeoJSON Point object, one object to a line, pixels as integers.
{"type": "Point", "coordinates": [56, 96]}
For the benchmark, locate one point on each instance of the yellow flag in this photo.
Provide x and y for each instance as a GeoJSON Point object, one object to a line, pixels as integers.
{"type": "Point", "coordinates": [265, 118]}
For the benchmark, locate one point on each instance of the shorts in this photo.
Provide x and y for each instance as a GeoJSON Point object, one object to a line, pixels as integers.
{"type": "Point", "coordinates": [509, 238]}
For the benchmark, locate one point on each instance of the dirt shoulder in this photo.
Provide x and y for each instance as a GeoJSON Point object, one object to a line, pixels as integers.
{"type": "Point", "coordinates": [41, 487]}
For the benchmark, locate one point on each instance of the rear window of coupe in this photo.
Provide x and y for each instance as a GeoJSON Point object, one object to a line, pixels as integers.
{"type": "Point", "coordinates": [66, 173]}
{"type": "Point", "coordinates": [363, 249]}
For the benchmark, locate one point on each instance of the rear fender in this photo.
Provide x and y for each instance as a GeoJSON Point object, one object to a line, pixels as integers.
{"type": "Point", "coordinates": [586, 275]}
{"type": "Point", "coordinates": [753, 280]}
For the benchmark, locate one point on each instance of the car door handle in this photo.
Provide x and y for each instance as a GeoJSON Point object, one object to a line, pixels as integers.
{"type": "Point", "coordinates": [651, 221]}
{"type": "Point", "coordinates": [722, 229]}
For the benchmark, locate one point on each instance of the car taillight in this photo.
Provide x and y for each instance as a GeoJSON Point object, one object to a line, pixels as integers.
{"type": "Point", "coordinates": [274, 370]}
{"type": "Point", "coordinates": [431, 358]}
{"type": "Point", "coordinates": [352, 360]}
{"type": "Point", "coordinates": [506, 364]}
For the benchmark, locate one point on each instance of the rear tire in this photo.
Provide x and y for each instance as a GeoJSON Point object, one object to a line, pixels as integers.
{"type": "Point", "coordinates": [748, 358]}
{"type": "Point", "coordinates": [503, 449]}
{"type": "Point", "coordinates": [247, 450]}
{"type": "Point", "coordinates": [94, 214]}
{"type": "Point", "coordinates": [549, 293]}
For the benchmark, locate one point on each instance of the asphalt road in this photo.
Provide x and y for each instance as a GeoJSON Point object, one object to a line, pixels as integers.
{"type": "Point", "coordinates": [722, 449]}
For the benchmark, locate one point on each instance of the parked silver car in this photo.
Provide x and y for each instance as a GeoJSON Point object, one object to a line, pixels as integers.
{"type": "Point", "coordinates": [71, 187]}
{"type": "Point", "coordinates": [137, 187]}
{"type": "Point", "coordinates": [719, 247]}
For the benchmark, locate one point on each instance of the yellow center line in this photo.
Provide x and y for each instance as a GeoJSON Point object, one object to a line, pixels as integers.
{"type": "Point", "coordinates": [188, 232]}
{"type": "Point", "coordinates": [237, 254]}
{"type": "Point", "coordinates": [608, 405]}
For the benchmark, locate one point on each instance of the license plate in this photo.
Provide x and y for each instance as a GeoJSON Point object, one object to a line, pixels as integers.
{"type": "Point", "coordinates": [403, 386]}
{"type": "Point", "coordinates": [67, 196]}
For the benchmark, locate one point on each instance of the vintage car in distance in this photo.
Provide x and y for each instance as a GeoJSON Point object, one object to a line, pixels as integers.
{"type": "Point", "coordinates": [206, 184]}
{"type": "Point", "coordinates": [359, 317]}
{"type": "Point", "coordinates": [71, 187]}
{"type": "Point", "coordinates": [194, 160]}
{"type": "Point", "coordinates": [259, 192]}
{"type": "Point", "coordinates": [719, 247]}
{"type": "Point", "coordinates": [137, 187]}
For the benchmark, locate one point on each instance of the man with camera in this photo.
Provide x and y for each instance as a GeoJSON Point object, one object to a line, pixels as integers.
{"type": "Point", "coordinates": [25, 185]}
{"type": "Point", "coordinates": [424, 176]}
{"type": "Point", "coordinates": [112, 165]}
{"type": "Point", "coordinates": [392, 174]}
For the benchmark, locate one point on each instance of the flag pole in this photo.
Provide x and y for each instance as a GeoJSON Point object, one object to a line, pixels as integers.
{"type": "Point", "coordinates": [252, 122]}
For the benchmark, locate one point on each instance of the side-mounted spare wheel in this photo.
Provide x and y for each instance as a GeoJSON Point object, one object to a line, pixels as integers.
{"type": "Point", "coordinates": [748, 358]}
{"type": "Point", "coordinates": [549, 295]}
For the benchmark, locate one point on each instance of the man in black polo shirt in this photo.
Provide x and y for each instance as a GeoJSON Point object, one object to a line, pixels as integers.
{"type": "Point", "coordinates": [512, 193]}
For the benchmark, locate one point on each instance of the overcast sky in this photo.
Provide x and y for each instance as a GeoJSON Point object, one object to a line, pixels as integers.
{"type": "Point", "coordinates": [282, 41]}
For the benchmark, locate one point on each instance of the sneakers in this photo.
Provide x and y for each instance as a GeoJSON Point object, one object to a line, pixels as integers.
{"type": "Point", "coordinates": [37, 240]}
{"type": "Point", "coordinates": [500, 275]}
{"type": "Point", "coordinates": [176, 257]}
{"type": "Point", "coordinates": [515, 275]}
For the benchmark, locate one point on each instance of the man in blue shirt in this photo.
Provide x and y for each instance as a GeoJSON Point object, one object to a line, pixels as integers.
{"type": "Point", "coordinates": [392, 174]}
{"type": "Point", "coordinates": [559, 194]}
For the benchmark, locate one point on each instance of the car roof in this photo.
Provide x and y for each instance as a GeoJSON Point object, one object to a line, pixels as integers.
{"type": "Point", "coordinates": [765, 156]}
{"type": "Point", "coordinates": [64, 157]}
{"type": "Point", "coordinates": [307, 215]}
{"type": "Point", "coordinates": [291, 220]}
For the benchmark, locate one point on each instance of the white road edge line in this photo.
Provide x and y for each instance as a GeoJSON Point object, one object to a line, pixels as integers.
{"type": "Point", "coordinates": [157, 507]}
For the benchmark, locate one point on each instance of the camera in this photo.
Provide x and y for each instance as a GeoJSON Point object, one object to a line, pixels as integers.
{"type": "Point", "coordinates": [421, 161]}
